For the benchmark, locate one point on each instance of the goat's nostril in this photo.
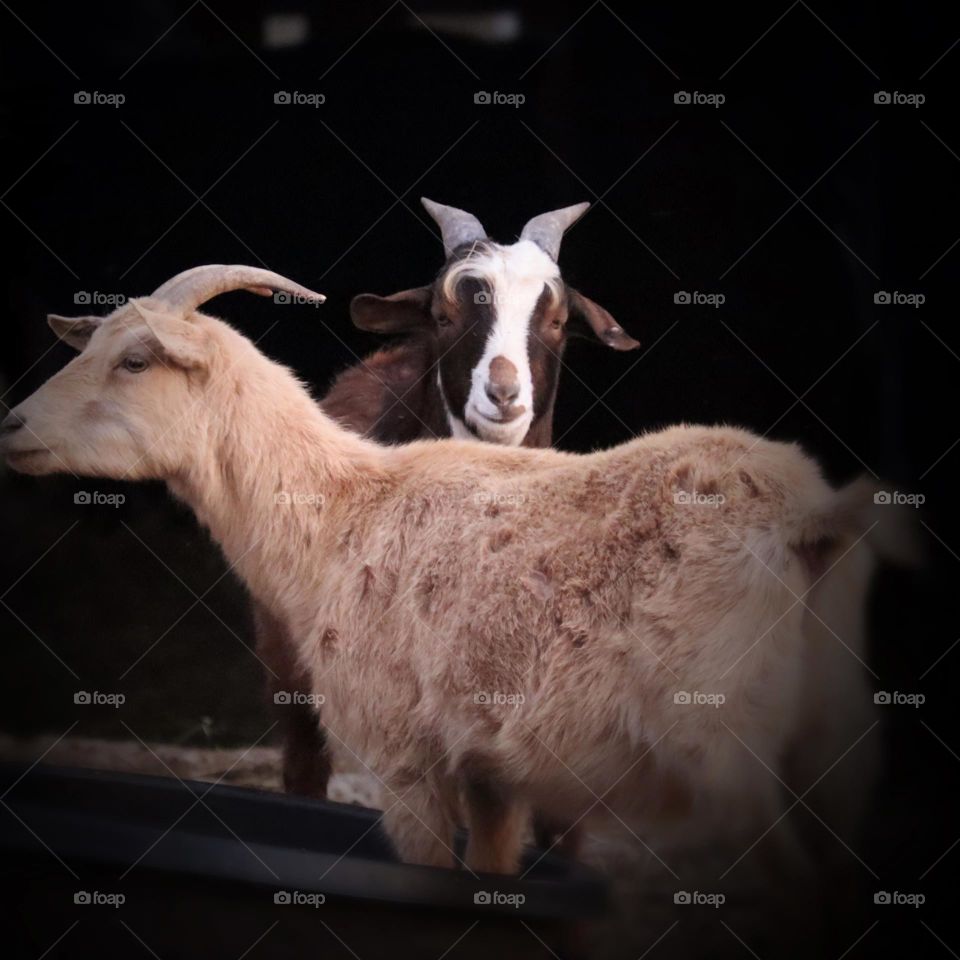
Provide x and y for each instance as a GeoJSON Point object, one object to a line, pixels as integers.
{"type": "Point", "coordinates": [502, 394]}
{"type": "Point", "coordinates": [11, 422]}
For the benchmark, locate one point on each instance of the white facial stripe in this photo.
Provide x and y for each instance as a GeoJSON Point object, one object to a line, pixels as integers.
{"type": "Point", "coordinates": [515, 276]}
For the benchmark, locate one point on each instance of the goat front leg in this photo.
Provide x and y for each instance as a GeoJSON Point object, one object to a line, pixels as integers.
{"type": "Point", "coordinates": [306, 760]}
{"type": "Point", "coordinates": [420, 820]}
{"type": "Point", "coordinates": [498, 826]}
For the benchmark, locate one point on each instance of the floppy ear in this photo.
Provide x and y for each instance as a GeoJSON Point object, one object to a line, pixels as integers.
{"type": "Point", "coordinates": [182, 343]}
{"type": "Point", "coordinates": [586, 317]}
{"type": "Point", "coordinates": [76, 331]}
{"type": "Point", "coordinates": [400, 312]}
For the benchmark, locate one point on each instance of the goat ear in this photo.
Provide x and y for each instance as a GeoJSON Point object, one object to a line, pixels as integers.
{"type": "Point", "coordinates": [76, 331]}
{"type": "Point", "coordinates": [400, 312]}
{"type": "Point", "coordinates": [587, 317]}
{"type": "Point", "coordinates": [184, 345]}
{"type": "Point", "coordinates": [181, 342]}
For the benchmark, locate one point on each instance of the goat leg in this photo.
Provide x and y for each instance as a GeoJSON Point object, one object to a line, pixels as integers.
{"type": "Point", "coordinates": [498, 824]}
{"type": "Point", "coordinates": [306, 760]}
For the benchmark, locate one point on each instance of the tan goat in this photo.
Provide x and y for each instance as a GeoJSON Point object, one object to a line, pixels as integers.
{"type": "Point", "coordinates": [505, 627]}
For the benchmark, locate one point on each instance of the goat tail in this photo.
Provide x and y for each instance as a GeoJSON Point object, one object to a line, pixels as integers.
{"type": "Point", "coordinates": [843, 544]}
{"type": "Point", "coordinates": [859, 517]}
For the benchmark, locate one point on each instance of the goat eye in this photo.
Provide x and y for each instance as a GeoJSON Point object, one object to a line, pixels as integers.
{"type": "Point", "coordinates": [134, 364]}
{"type": "Point", "coordinates": [556, 323]}
{"type": "Point", "coordinates": [443, 320]}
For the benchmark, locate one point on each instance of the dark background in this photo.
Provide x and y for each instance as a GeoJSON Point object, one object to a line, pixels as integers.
{"type": "Point", "coordinates": [200, 165]}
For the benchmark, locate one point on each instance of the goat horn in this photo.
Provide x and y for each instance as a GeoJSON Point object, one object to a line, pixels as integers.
{"type": "Point", "coordinates": [193, 288]}
{"type": "Point", "coordinates": [547, 229]}
{"type": "Point", "coordinates": [457, 226]}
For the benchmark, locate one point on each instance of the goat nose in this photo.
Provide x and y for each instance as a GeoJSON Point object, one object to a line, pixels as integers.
{"type": "Point", "coordinates": [503, 383]}
{"type": "Point", "coordinates": [503, 394]}
{"type": "Point", "coordinates": [11, 423]}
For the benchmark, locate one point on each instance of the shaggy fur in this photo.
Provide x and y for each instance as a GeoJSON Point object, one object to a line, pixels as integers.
{"type": "Point", "coordinates": [506, 625]}
{"type": "Point", "coordinates": [360, 399]}
{"type": "Point", "coordinates": [456, 346]}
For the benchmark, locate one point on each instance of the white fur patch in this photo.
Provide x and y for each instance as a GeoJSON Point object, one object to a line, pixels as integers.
{"type": "Point", "coordinates": [515, 276]}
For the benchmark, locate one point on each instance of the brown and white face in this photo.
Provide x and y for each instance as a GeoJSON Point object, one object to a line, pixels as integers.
{"type": "Point", "coordinates": [500, 315]}
{"type": "Point", "coordinates": [129, 404]}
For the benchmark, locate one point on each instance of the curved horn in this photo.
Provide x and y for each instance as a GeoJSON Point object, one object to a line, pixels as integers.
{"type": "Point", "coordinates": [193, 288]}
{"type": "Point", "coordinates": [457, 226]}
{"type": "Point", "coordinates": [547, 230]}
